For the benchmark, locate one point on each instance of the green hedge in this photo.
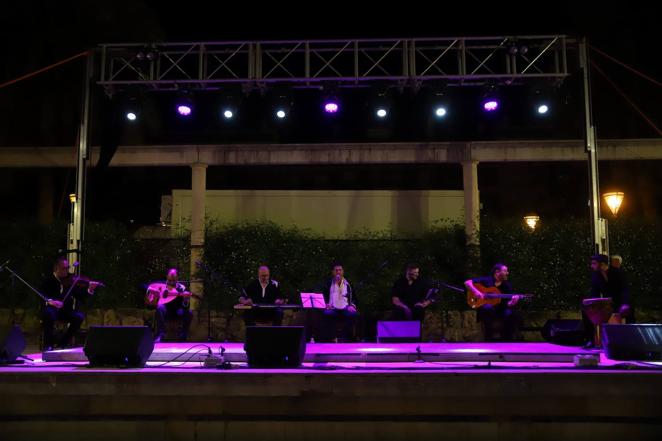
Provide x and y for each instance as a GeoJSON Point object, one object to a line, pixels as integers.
{"type": "Point", "coordinates": [551, 262]}
{"type": "Point", "coordinates": [111, 254]}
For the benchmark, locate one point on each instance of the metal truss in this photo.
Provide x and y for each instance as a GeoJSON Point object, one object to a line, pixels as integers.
{"type": "Point", "coordinates": [348, 63]}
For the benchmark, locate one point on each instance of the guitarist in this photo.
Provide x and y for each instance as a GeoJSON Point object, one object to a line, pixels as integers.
{"type": "Point", "coordinates": [55, 288]}
{"type": "Point", "coordinates": [504, 310]}
{"type": "Point", "coordinates": [176, 308]}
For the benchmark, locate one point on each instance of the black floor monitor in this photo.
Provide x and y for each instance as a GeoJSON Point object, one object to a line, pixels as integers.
{"type": "Point", "coordinates": [275, 346]}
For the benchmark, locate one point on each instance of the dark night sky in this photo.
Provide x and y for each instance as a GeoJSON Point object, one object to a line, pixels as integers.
{"type": "Point", "coordinates": [44, 110]}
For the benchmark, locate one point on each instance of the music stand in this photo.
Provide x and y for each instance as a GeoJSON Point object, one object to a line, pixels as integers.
{"type": "Point", "coordinates": [313, 300]}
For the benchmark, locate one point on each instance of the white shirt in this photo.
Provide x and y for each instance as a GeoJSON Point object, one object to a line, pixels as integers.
{"type": "Point", "coordinates": [338, 295]}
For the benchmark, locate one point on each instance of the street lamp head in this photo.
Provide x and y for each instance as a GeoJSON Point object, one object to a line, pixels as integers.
{"type": "Point", "coordinates": [614, 200]}
{"type": "Point", "coordinates": [531, 221]}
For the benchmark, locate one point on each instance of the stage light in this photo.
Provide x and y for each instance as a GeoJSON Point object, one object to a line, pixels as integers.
{"type": "Point", "coordinates": [281, 102]}
{"type": "Point", "coordinates": [440, 112]}
{"type": "Point", "coordinates": [614, 200]}
{"type": "Point", "coordinates": [490, 105]}
{"type": "Point", "coordinates": [184, 104]}
{"type": "Point", "coordinates": [229, 105]}
{"type": "Point", "coordinates": [331, 106]}
{"type": "Point", "coordinates": [131, 116]}
{"type": "Point", "coordinates": [381, 113]}
{"type": "Point", "coordinates": [543, 109]}
{"type": "Point", "coordinates": [490, 98]}
{"type": "Point", "coordinates": [184, 109]}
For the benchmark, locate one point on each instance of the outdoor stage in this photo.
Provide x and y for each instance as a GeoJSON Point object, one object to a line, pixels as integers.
{"type": "Point", "coordinates": [370, 391]}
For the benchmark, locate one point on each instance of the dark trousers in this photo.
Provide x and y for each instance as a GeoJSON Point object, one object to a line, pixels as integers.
{"type": "Point", "coordinates": [417, 313]}
{"type": "Point", "coordinates": [330, 317]}
{"type": "Point", "coordinates": [50, 314]}
{"type": "Point", "coordinates": [265, 315]}
{"type": "Point", "coordinates": [489, 315]}
{"type": "Point", "coordinates": [173, 311]}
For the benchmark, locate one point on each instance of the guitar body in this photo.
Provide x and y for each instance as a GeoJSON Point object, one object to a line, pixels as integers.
{"type": "Point", "coordinates": [159, 294]}
{"type": "Point", "coordinates": [475, 303]}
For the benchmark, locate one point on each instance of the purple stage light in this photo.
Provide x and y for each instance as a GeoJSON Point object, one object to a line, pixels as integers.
{"type": "Point", "coordinates": [331, 107]}
{"type": "Point", "coordinates": [184, 109]}
{"type": "Point", "coordinates": [490, 105]}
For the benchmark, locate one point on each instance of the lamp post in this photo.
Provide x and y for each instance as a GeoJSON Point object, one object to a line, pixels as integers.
{"type": "Point", "coordinates": [600, 239]}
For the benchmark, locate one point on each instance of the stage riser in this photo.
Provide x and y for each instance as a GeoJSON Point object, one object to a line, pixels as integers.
{"type": "Point", "coordinates": [332, 430]}
{"type": "Point", "coordinates": [239, 405]}
{"type": "Point", "coordinates": [367, 353]}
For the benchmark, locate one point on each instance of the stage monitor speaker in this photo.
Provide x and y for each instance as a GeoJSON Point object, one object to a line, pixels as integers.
{"type": "Point", "coordinates": [120, 346]}
{"type": "Point", "coordinates": [564, 332]}
{"type": "Point", "coordinates": [12, 343]}
{"type": "Point", "coordinates": [398, 332]}
{"type": "Point", "coordinates": [275, 346]}
{"type": "Point", "coordinates": [633, 342]}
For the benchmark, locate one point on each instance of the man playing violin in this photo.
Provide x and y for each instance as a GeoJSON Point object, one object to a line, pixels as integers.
{"type": "Point", "coordinates": [63, 290]}
{"type": "Point", "coordinates": [504, 310]}
{"type": "Point", "coordinates": [177, 308]}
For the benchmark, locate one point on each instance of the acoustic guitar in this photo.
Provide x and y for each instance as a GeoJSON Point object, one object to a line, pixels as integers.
{"type": "Point", "coordinates": [492, 296]}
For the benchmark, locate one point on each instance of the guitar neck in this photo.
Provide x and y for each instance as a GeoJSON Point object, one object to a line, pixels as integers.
{"type": "Point", "coordinates": [506, 296]}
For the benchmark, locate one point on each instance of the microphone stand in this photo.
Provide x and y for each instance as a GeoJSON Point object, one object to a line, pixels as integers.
{"type": "Point", "coordinates": [444, 313]}
{"type": "Point", "coordinates": [364, 321]}
{"type": "Point", "coordinates": [5, 266]}
{"type": "Point", "coordinates": [210, 274]}
{"type": "Point", "coordinates": [213, 277]}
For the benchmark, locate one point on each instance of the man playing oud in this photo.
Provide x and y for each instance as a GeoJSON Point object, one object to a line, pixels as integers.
{"type": "Point", "coordinates": [178, 307]}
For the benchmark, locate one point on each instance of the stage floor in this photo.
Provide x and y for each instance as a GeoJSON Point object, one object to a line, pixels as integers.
{"type": "Point", "coordinates": [365, 355]}
{"type": "Point", "coordinates": [359, 352]}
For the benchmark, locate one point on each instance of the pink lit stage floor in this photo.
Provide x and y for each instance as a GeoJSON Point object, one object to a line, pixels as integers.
{"type": "Point", "coordinates": [412, 355]}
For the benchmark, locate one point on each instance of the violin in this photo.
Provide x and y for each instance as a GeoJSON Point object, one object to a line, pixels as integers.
{"type": "Point", "coordinates": [80, 282]}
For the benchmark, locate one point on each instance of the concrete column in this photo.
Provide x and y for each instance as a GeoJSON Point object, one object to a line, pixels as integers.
{"type": "Point", "coordinates": [46, 198]}
{"type": "Point", "coordinates": [471, 202]}
{"type": "Point", "coordinates": [198, 190]}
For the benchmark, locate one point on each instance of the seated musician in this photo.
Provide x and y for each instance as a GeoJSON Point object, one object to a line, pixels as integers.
{"type": "Point", "coordinates": [178, 308]}
{"type": "Point", "coordinates": [55, 287]}
{"type": "Point", "coordinates": [608, 281]}
{"type": "Point", "coordinates": [504, 310]}
{"type": "Point", "coordinates": [410, 295]}
{"type": "Point", "coordinates": [262, 291]}
{"type": "Point", "coordinates": [340, 301]}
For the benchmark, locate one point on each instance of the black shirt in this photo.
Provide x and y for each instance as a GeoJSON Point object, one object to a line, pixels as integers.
{"type": "Point", "coordinates": [490, 281]}
{"type": "Point", "coordinates": [410, 294]}
{"type": "Point", "coordinates": [272, 292]}
{"type": "Point", "coordinates": [52, 288]}
{"type": "Point", "coordinates": [615, 286]}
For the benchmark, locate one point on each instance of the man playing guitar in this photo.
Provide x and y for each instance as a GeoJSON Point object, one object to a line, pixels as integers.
{"type": "Point", "coordinates": [501, 305]}
{"type": "Point", "coordinates": [172, 301]}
